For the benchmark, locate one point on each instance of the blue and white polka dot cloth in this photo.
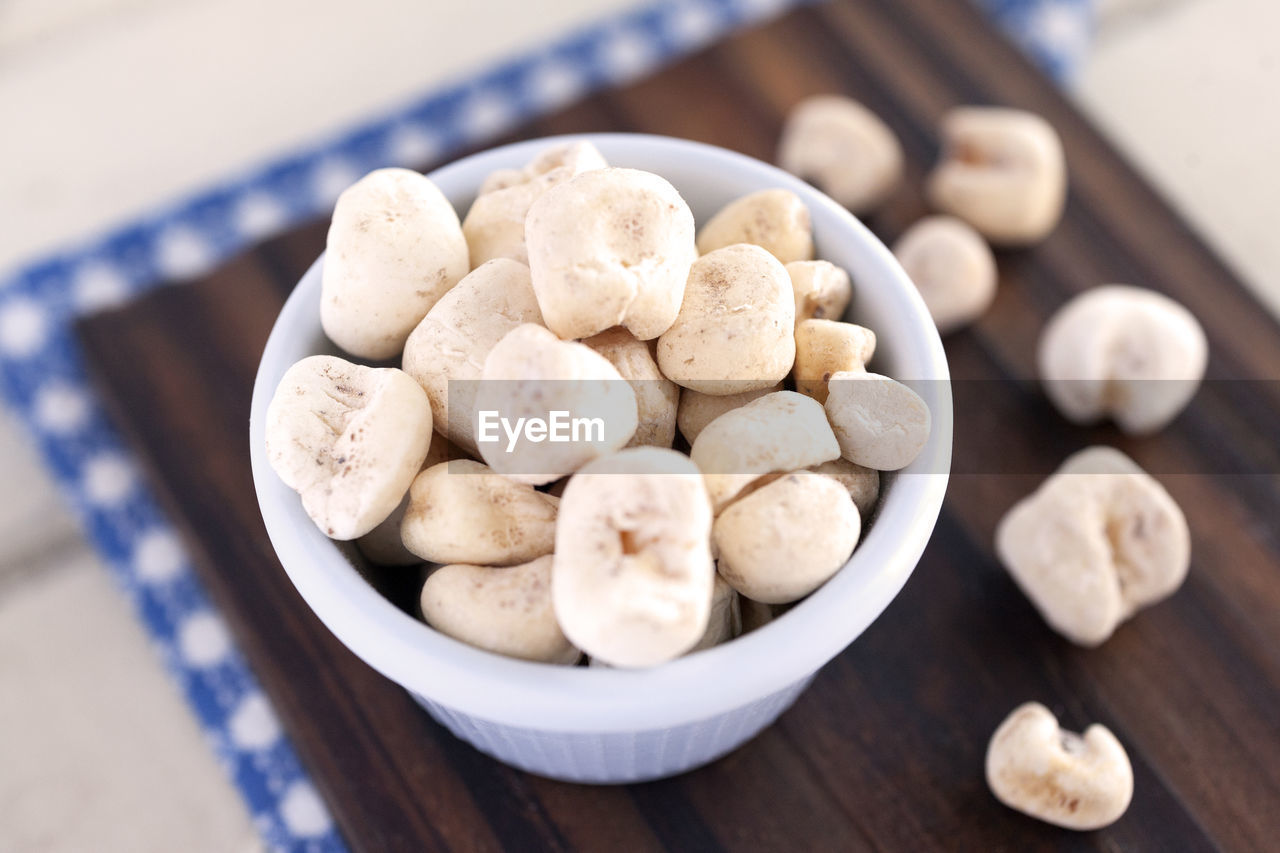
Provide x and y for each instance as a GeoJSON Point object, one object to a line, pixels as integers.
{"type": "Point", "coordinates": [43, 380]}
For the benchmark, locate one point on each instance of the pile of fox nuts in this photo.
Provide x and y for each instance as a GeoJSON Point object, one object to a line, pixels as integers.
{"type": "Point", "coordinates": [746, 434]}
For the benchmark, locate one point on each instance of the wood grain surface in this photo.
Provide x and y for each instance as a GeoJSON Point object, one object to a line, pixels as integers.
{"type": "Point", "coordinates": [886, 750]}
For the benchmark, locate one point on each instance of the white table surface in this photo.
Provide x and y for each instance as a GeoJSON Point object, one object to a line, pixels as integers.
{"type": "Point", "coordinates": [156, 99]}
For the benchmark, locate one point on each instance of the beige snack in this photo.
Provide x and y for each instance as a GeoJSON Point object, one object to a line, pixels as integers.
{"type": "Point", "coordinates": [1060, 777]}
{"type": "Point", "coordinates": [382, 545]}
{"type": "Point", "coordinates": [494, 226]}
{"type": "Point", "coordinates": [1003, 172]}
{"type": "Point", "coordinates": [462, 512]}
{"type": "Point", "coordinates": [394, 248]}
{"type": "Point", "coordinates": [879, 422]}
{"type": "Point", "coordinates": [735, 331]}
{"type": "Point", "coordinates": [349, 439]}
{"type": "Point", "coordinates": [844, 149]}
{"type": "Point", "coordinates": [530, 376]}
{"type": "Point", "coordinates": [783, 431]}
{"type": "Point", "coordinates": [775, 220]}
{"type": "Point", "coordinates": [786, 538]}
{"type": "Point", "coordinates": [507, 611]}
{"type": "Point", "coordinates": [862, 484]}
{"type": "Point", "coordinates": [822, 290]}
{"type": "Point", "coordinates": [657, 397]}
{"type": "Point", "coordinates": [633, 574]}
{"type": "Point", "coordinates": [697, 409]}
{"type": "Point", "coordinates": [952, 267]}
{"type": "Point", "coordinates": [1122, 352]}
{"type": "Point", "coordinates": [1098, 541]}
{"type": "Point", "coordinates": [725, 619]}
{"type": "Point", "coordinates": [453, 340]}
{"type": "Point", "coordinates": [610, 247]}
{"type": "Point", "coordinates": [827, 347]}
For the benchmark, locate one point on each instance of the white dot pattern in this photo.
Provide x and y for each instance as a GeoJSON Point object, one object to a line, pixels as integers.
{"type": "Point", "coordinates": [203, 640]}
{"type": "Point", "coordinates": [24, 327]}
{"type": "Point", "coordinates": [61, 409]}
{"type": "Point", "coordinates": [253, 724]}
{"type": "Point", "coordinates": [98, 286]}
{"type": "Point", "coordinates": [108, 479]}
{"type": "Point", "coordinates": [157, 557]}
{"type": "Point", "coordinates": [303, 812]}
{"type": "Point", "coordinates": [182, 253]}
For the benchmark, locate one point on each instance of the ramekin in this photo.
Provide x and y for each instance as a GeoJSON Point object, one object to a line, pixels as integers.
{"type": "Point", "coordinates": [605, 725]}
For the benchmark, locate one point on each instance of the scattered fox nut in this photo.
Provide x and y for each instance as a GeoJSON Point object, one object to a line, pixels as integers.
{"type": "Point", "coordinates": [1003, 172]}
{"type": "Point", "coordinates": [779, 432]}
{"type": "Point", "coordinates": [735, 331]}
{"type": "Point", "coordinates": [494, 226]}
{"type": "Point", "coordinates": [530, 376]}
{"type": "Point", "coordinates": [775, 220]}
{"type": "Point", "coordinates": [395, 246]}
{"type": "Point", "coordinates": [502, 610]}
{"type": "Point", "coordinates": [610, 247]}
{"type": "Point", "coordinates": [633, 577]}
{"type": "Point", "coordinates": [844, 149]}
{"type": "Point", "coordinates": [879, 422]}
{"type": "Point", "coordinates": [462, 512]}
{"type": "Point", "coordinates": [1122, 352]}
{"type": "Point", "coordinates": [785, 539]}
{"type": "Point", "coordinates": [822, 290]}
{"type": "Point", "coordinates": [952, 267]}
{"type": "Point", "coordinates": [827, 347]}
{"type": "Point", "coordinates": [349, 439]}
{"type": "Point", "coordinates": [1074, 781]}
{"type": "Point", "coordinates": [453, 340]}
{"type": "Point", "coordinates": [657, 397]}
{"type": "Point", "coordinates": [1098, 541]}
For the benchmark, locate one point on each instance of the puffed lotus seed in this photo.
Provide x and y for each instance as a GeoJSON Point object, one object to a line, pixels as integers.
{"type": "Point", "coordinates": [1003, 172]}
{"type": "Point", "coordinates": [446, 351]}
{"type": "Point", "coordinates": [698, 409]}
{"type": "Point", "coordinates": [494, 226]}
{"type": "Point", "coordinates": [462, 512]}
{"type": "Point", "coordinates": [382, 545]}
{"type": "Point", "coordinates": [633, 576]}
{"type": "Point", "coordinates": [1122, 352]}
{"type": "Point", "coordinates": [1074, 781]}
{"type": "Point", "coordinates": [863, 484]}
{"type": "Point", "coordinates": [610, 247]}
{"type": "Point", "coordinates": [1098, 541]}
{"type": "Point", "coordinates": [503, 610]}
{"type": "Point", "coordinates": [822, 290]}
{"type": "Point", "coordinates": [725, 619]}
{"type": "Point", "coordinates": [785, 539]}
{"type": "Point", "coordinates": [657, 397]}
{"type": "Point", "coordinates": [879, 422]}
{"type": "Point", "coordinates": [827, 347]}
{"type": "Point", "coordinates": [395, 246]}
{"type": "Point", "coordinates": [844, 149]}
{"type": "Point", "coordinates": [952, 267]}
{"type": "Point", "coordinates": [735, 331]}
{"type": "Point", "coordinates": [779, 432]}
{"type": "Point", "coordinates": [775, 220]}
{"type": "Point", "coordinates": [349, 439]}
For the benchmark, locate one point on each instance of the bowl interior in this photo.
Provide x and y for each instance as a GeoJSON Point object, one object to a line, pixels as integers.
{"type": "Point", "coordinates": [699, 685]}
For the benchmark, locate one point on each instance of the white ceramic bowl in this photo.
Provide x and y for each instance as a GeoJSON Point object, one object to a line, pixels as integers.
{"type": "Point", "coordinates": [611, 725]}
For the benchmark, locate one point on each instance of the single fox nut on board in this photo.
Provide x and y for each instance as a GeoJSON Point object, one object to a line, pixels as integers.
{"type": "Point", "coordinates": [633, 577]}
{"type": "Point", "coordinates": [736, 329]}
{"type": "Point", "coordinates": [778, 432]}
{"type": "Point", "coordinates": [842, 148]}
{"type": "Point", "coordinates": [1002, 171]}
{"type": "Point", "coordinates": [531, 377]}
{"type": "Point", "coordinates": [446, 351]}
{"type": "Point", "coordinates": [1122, 352]}
{"type": "Point", "coordinates": [827, 347]}
{"type": "Point", "coordinates": [879, 422]}
{"type": "Point", "coordinates": [610, 247]}
{"type": "Point", "coordinates": [952, 267]}
{"type": "Point", "coordinates": [462, 512]}
{"type": "Point", "coordinates": [503, 610]}
{"type": "Point", "coordinates": [657, 397]}
{"type": "Point", "coordinates": [348, 439]}
{"type": "Point", "coordinates": [822, 290]}
{"type": "Point", "coordinates": [786, 538]}
{"type": "Point", "coordinates": [775, 220]}
{"type": "Point", "coordinates": [494, 226]}
{"type": "Point", "coordinates": [395, 246]}
{"type": "Point", "coordinates": [1074, 781]}
{"type": "Point", "coordinates": [1098, 541]}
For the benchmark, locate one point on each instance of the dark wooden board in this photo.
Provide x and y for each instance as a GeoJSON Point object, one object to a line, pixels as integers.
{"type": "Point", "coordinates": [886, 750]}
